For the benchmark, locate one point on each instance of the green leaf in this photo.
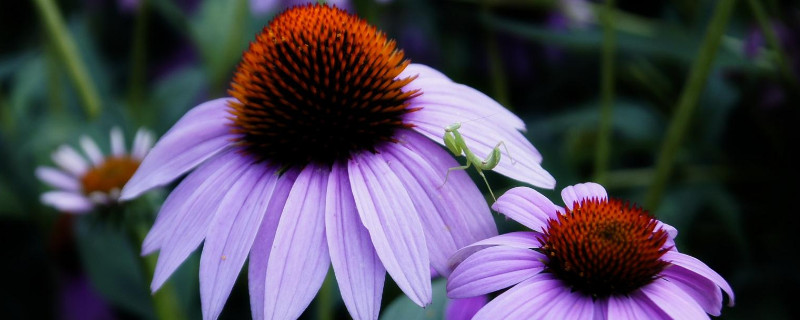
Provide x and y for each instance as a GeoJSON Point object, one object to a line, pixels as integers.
{"type": "Point", "coordinates": [403, 308]}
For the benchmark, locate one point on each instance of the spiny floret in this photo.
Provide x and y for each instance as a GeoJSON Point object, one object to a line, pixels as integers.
{"type": "Point", "coordinates": [316, 85]}
{"type": "Point", "coordinates": [604, 247]}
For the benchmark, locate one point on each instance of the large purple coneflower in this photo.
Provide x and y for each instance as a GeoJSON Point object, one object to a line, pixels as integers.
{"type": "Point", "coordinates": [323, 157]}
{"type": "Point", "coordinates": [596, 258]}
{"type": "Point", "coordinates": [83, 185]}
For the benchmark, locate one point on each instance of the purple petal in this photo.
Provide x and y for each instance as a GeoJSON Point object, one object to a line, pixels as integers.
{"type": "Point", "coordinates": [527, 206]}
{"type": "Point", "coordinates": [454, 214]}
{"type": "Point", "coordinates": [199, 135]}
{"type": "Point", "coordinates": [578, 192]}
{"type": "Point", "coordinates": [231, 234]}
{"type": "Point", "coordinates": [421, 71]}
{"type": "Point", "coordinates": [69, 202]}
{"type": "Point", "coordinates": [676, 303]}
{"type": "Point", "coordinates": [387, 211]}
{"type": "Point", "coordinates": [299, 257]}
{"type": "Point", "coordinates": [194, 214]}
{"type": "Point", "coordinates": [358, 269]}
{"type": "Point", "coordinates": [520, 159]}
{"type": "Point", "coordinates": [117, 142]}
{"type": "Point", "coordinates": [520, 239]}
{"type": "Point", "coordinates": [92, 150]}
{"type": "Point", "coordinates": [259, 253]}
{"type": "Point", "coordinates": [633, 306]}
{"type": "Point", "coordinates": [464, 309]}
{"type": "Point", "coordinates": [68, 159]}
{"type": "Point", "coordinates": [524, 299]}
{"type": "Point", "coordinates": [263, 6]}
{"type": "Point", "coordinates": [694, 265]}
{"type": "Point", "coordinates": [58, 179]}
{"type": "Point", "coordinates": [492, 269]}
{"type": "Point", "coordinates": [704, 291]}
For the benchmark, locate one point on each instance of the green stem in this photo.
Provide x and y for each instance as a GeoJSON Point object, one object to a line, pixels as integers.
{"type": "Point", "coordinates": [325, 304]}
{"type": "Point", "coordinates": [688, 101]}
{"type": "Point", "coordinates": [497, 71]}
{"type": "Point", "coordinates": [165, 300]}
{"type": "Point", "coordinates": [603, 153]}
{"type": "Point", "coordinates": [67, 50]}
{"type": "Point", "coordinates": [232, 47]}
{"type": "Point", "coordinates": [136, 86]}
{"type": "Point", "coordinates": [772, 40]}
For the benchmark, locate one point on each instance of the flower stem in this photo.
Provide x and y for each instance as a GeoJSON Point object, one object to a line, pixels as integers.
{"type": "Point", "coordinates": [325, 307]}
{"type": "Point", "coordinates": [497, 71]}
{"type": "Point", "coordinates": [165, 301]}
{"type": "Point", "coordinates": [136, 86]}
{"type": "Point", "coordinates": [688, 101]}
{"type": "Point", "coordinates": [68, 51]}
{"type": "Point", "coordinates": [772, 40]}
{"type": "Point", "coordinates": [603, 151]}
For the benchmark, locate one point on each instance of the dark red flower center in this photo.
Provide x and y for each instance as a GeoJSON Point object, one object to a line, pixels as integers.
{"type": "Point", "coordinates": [604, 247]}
{"type": "Point", "coordinates": [317, 84]}
{"type": "Point", "coordinates": [112, 174]}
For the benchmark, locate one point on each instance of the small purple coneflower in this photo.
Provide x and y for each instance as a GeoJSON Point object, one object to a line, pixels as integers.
{"type": "Point", "coordinates": [596, 258]}
{"type": "Point", "coordinates": [322, 157]}
{"type": "Point", "coordinates": [83, 185]}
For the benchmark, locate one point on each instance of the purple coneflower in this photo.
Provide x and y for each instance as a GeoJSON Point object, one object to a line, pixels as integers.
{"type": "Point", "coordinates": [322, 157]}
{"type": "Point", "coordinates": [83, 185]}
{"type": "Point", "coordinates": [596, 258]}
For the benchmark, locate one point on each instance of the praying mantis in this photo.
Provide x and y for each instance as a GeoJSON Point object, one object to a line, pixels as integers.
{"type": "Point", "coordinates": [455, 142]}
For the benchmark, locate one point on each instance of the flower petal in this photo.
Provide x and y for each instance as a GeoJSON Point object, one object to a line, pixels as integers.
{"type": "Point", "coordinates": [578, 192]}
{"type": "Point", "coordinates": [58, 179]}
{"type": "Point", "coordinates": [676, 303]}
{"type": "Point", "coordinates": [386, 210]}
{"type": "Point", "coordinates": [117, 142]}
{"type": "Point", "coordinates": [492, 269]}
{"type": "Point", "coordinates": [358, 269]}
{"type": "Point", "coordinates": [521, 161]}
{"type": "Point", "coordinates": [69, 202]}
{"type": "Point", "coordinates": [453, 214]}
{"type": "Point", "coordinates": [92, 150]}
{"type": "Point", "coordinates": [519, 239]}
{"type": "Point", "coordinates": [231, 234]}
{"type": "Point", "coordinates": [527, 206]}
{"type": "Point", "coordinates": [694, 265]}
{"type": "Point", "coordinates": [142, 143]}
{"type": "Point", "coordinates": [421, 71]}
{"type": "Point", "coordinates": [299, 257]}
{"type": "Point", "coordinates": [194, 214]}
{"type": "Point", "coordinates": [633, 306]}
{"type": "Point", "coordinates": [523, 299]}
{"type": "Point", "coordinates": [68, 159]}
{"type": "Point", "coordinates": [259, 253]}
{"type": "Point", "coordinates": [464, 309]}
{"type": "Point", "coordinates": [199, 135]}
{"type": "Point", "coordinates": [704, 291]}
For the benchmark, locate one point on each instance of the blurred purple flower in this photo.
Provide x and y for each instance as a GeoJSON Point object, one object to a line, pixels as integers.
{"type": "Point", "coordinates": [596, 257]}
{"type": "Point", "coordinates": [79, 301]}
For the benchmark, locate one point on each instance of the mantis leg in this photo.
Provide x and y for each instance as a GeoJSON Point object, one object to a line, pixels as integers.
{"type": "Point", "coordinates": [464, 167]}
{"type": "Point", "coordinates": [480, 172]}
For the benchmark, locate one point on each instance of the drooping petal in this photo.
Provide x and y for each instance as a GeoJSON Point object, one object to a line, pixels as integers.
{"type": "Point", "coordinates": [584, 307]}
{"type": "Point", "coordinates": [92, 150]}
{"type": "Point", "coordinates": [633, 306]}
{"type": "Point", "coordinates": [259, 253]}
{"type": "Point", "coordinates": [231, 234]}
{"type": "Point", "coordinates": [117, 142]}
{"type": "Point", "coordinates": [68, 159]}
{"type": "Point", "coordinates": [519, 239]}
{"type": "Point", "coordinates": [520, 160]}
{"type": "Point", "coordinates": [358, 269]}
{"type": "Point", "coordinates": [58, 179]}
{"type": "Point", "coordinates": [676, 303]}
{"type": "Point", "coordinates": [69, 202]}
{"type": "Point", "coordinates": [704, 291]}
{"type": "Point", "coordinates": [694, 265]}
{"type": "Point", "coordinates": [421, 71]}
{"type": "Point", "coordinates": [194, 216]}
{"type": "Point", "coordinates": [197, 136]}
{"type": "Point", "coordinates": [578, 192]}
{"type": "Point", "coordinates": [142, 143]}
{"type": "Point", "coordinates": [527, 206]}
{"type": "Point", "coordinates": [464, 309]}
{"type": "Point", "coordinates": [299, 257]}
{"type": "Point", "coordinates": [492, 269]}
{"type": "Point", "coordinates": [263, 6]}
{"type": "Point", "coordinates": [453, 214]}
{"type": "Point", "coordinates": [524, 299]}
{"type": "Point", "coordinates": [386, 210]}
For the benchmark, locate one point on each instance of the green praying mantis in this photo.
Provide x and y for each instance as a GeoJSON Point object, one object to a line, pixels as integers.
{"type": "Point", "coordinates": [455, 142]}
